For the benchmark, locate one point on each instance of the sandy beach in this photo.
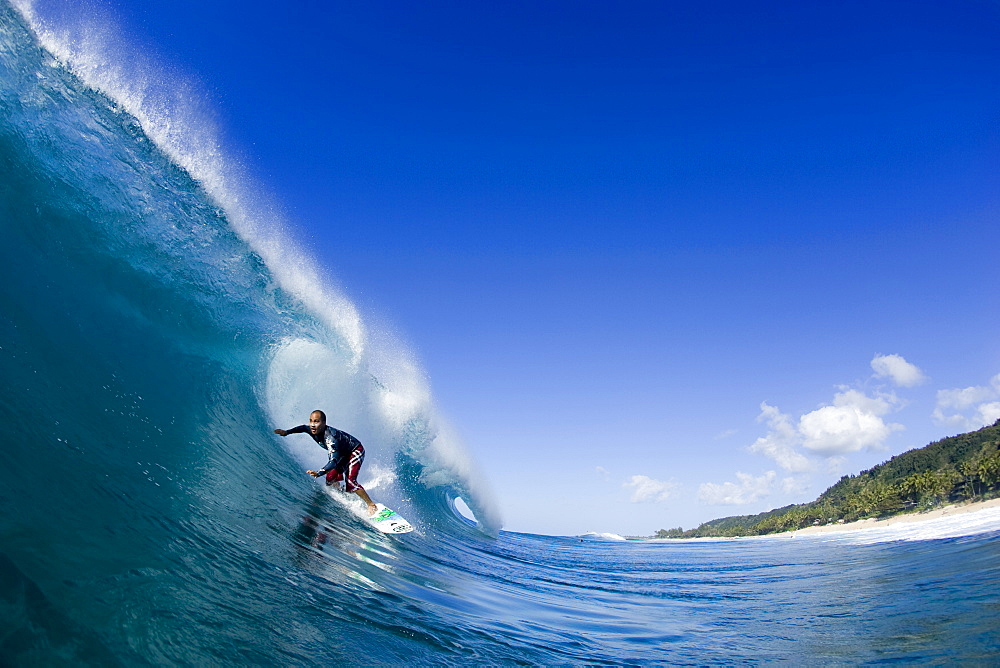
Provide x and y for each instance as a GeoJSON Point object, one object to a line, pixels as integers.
{"type": "Point", "coordinates": [946, 511]}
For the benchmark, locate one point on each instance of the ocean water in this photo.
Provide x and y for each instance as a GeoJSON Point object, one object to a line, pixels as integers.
{"type": "Point", "coordinates": [153, 333]}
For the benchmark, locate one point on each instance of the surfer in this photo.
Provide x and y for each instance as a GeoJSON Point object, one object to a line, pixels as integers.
{"type": "Point", "coordinates": [346, 454]}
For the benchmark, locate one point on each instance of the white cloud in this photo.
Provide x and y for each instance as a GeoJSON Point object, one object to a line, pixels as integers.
{"type": "Point", "coordinates": [989, 413]}
{"type": "Point", "coordinates": [649, 490]}
{"type": "Point", "coordinates": [747, 490]}
{"type": "Point", "coordinates": [835, 465]}
{"type": "Point", "coordinates": [969, 408]}
{"type": "Point", "coordinates": [901, 372]}
{"type": "Point", "coordinates": [781, 441]}
{"type": "Point", "coordinates": [795, 484]}
{"type": "Point", "coordinates": [854, 422]}
{"type": "Point", "coordinates": [822, 438]}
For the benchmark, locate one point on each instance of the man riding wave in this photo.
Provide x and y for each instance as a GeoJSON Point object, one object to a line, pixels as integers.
{"type": "Point", "coordinates": [346, 454]}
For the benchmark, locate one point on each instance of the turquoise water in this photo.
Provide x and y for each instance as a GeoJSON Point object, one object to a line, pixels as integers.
{"type": "Point", "coordinates": [149, 343]}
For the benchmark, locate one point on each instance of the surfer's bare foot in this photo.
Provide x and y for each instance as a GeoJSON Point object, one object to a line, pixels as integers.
{"type": "Point", "coordinates": [371, 509]}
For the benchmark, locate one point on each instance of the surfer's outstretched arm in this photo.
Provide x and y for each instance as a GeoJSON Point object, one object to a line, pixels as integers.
{"type": "Point", "coordinates": [301, 429]}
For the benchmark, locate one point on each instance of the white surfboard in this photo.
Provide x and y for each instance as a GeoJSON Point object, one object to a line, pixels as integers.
{"type": "Point", "coordinates": [388, 520]}
{"type": "Point", "coordinates": [385, 519]}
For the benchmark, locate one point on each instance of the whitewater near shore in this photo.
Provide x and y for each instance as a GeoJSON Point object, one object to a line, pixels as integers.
{"type": "Point", "coordinates": [950, 520]}
{"type": "Point", "coordinates": [984, 511]}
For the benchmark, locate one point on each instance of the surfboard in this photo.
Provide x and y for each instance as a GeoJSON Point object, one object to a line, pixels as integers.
{"type": "Point", "coordinates": [388, 520]}
{"type": "Point", "coordinates": [385, 519]}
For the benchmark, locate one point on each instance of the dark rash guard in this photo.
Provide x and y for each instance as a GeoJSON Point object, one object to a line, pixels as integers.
{"type": "Point", "coordinates": [339, 444]}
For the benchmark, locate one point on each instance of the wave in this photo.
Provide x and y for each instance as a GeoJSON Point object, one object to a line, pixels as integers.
{"type": "Point", "coordinates": [592, 535]}
{"type": "Point", "coordinates": [157, 231]}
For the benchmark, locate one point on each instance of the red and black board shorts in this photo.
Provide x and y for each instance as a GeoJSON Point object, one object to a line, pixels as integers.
{"type": "Point", "coordinates": [336, 474]}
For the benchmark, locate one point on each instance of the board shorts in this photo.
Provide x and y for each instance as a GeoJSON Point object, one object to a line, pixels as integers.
{"type": "Point", "coordinates": [337, 472]}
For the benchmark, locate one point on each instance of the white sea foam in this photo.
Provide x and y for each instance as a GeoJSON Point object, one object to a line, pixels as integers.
{"type": "Point", "coordinates": [377, 477]}
{"type": "Point", "coordinates": [961, 521]}
{"type": "Point", "coordinates": [593, 535]}
{"type": "Point", "coordinates": [972, 523]}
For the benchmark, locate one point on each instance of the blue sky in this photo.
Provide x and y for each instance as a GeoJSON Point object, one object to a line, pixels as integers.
{"type": "Point", "coordinates": [662, 262]}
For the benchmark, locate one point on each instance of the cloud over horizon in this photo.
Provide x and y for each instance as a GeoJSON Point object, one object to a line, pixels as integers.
{"type": "Point", "coordinates": [747, 490]}
{"type": "Point", "coordinates": [969, 408]}
{"type": "Point", "coordinates": [649, 490]}
{"type": "Point", "coordinates": [898, 370]}
{"type": "Point", "coordinates": [855, 420]}
{"type": "Point", "coordinates": [781, 442]}
{"type": "Point", "coordinates": [852, 423]}
{"type": "Point", "coordinates": [822, 438]}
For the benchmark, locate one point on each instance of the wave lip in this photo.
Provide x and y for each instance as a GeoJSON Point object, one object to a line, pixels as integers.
{"type": "Point", "coordinates": [171, 111]}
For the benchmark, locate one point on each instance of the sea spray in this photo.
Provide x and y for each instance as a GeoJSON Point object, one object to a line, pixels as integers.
{"type": "Point", "coordinates": [172, 112]}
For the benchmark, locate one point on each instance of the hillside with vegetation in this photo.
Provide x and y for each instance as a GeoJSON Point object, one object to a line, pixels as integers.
{"type": "Point", "coordinates": [952, 470]}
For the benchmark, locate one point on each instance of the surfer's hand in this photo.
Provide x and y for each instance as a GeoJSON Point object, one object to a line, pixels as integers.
{"type": "Point", "coordinates": [281, 432]}
{"type": "Point", "coordinates": [314, 474]}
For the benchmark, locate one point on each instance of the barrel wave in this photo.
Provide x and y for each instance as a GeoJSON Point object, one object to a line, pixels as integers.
{"type": "Point", "coordinates": [156, 324]}
{"type": "Point", "coordinates": [148, 347]}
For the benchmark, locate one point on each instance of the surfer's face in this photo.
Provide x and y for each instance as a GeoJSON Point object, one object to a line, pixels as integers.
{"type": "Point", "coordinates": [316, 423]}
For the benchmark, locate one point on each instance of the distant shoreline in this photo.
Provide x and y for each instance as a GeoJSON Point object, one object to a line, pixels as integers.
{"type": "Point", "coordinates": [873, 523]}
{"type": "Point", "coordinates": [860, 525]}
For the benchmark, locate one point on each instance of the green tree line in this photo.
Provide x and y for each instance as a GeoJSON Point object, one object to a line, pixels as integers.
{"type": "Point", "coordinates": [960, 468]}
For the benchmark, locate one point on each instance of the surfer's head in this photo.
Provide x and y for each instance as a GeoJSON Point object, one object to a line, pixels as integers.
{"type": "Point", "coordinates": [317, 420]}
